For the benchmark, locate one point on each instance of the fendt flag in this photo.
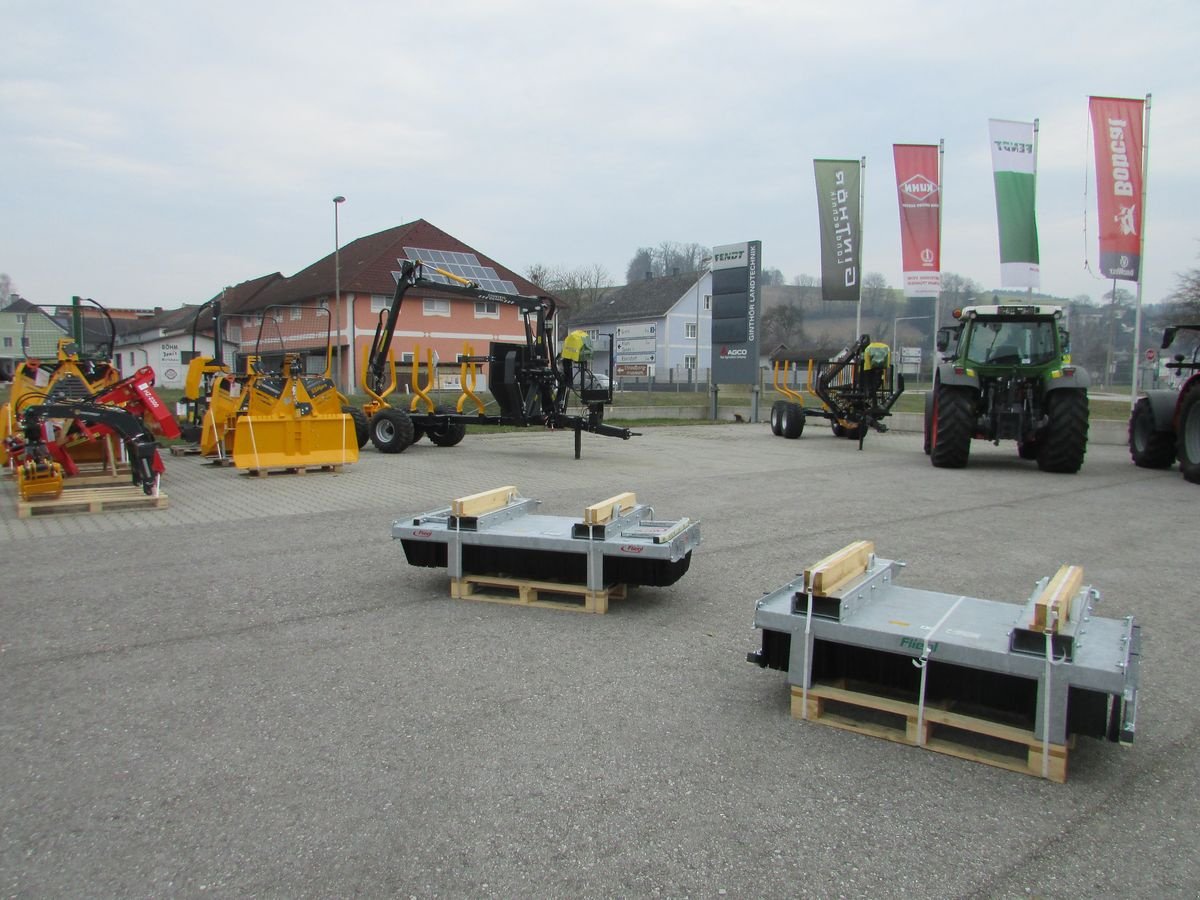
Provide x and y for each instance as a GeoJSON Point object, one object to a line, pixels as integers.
{"type": "Point", "coordinates": [1117, 134]}
{"type": "Point", "coordinates": [918, 187]}
{"type": "Point", "coordinates": [1014, 167]}
{"type": "Point", "coordinates": [839, 214]}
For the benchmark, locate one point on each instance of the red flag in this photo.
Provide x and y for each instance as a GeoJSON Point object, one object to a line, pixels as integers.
{"type": "Point", "coordinates": [1117, 134]}
{"type": "Point", "coordinates": [918, 188]}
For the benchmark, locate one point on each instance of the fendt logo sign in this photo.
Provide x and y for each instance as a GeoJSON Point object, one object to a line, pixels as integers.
{"type": "Point", "coordinates": [918, 188]}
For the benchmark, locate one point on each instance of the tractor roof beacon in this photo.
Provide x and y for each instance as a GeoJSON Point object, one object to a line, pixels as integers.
{"type": "Point", "coordinates": [1006, 374]}
{"type": "Point", "coordinates": [1165, 424]}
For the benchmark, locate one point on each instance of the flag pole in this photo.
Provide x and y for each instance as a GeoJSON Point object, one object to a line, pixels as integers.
{"type": "Point", "coordinates": [1137, 316]}
{"type": "Point", "coordinates": [862, 189]}
{"type": "Point", "coordinates": [1029, 288]}
{"type": "Point", "coordinates": [937, 295]}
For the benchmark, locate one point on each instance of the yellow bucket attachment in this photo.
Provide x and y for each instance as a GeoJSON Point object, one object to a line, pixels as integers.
{"type": "Point", "coordinates": [39, 479]}
{"type": "Point", "coordinates": [267, 442]}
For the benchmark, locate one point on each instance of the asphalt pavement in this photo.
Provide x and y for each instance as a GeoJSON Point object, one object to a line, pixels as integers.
{"type": "Point", "coordinates": [250, 693]}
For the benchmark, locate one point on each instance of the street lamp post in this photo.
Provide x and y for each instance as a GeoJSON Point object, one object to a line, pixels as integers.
{"type": "Point", "coordinates": [896, 335]}
{"type": "Point", "coordinates": [337, 293]}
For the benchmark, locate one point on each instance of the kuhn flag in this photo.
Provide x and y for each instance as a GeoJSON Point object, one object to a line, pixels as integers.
{"type": "Point", "coordinates": [1014, 169]}
{"type": "Point", "coordinates": [1117, 134]}
{"type": "Point", "coordinates": [838, 186]}
{"type": "Point", "coordinates": [918, 187]}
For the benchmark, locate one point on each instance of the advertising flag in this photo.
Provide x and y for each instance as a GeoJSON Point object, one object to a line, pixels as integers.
{"type": "Point", "coordinates": [838, 211]}
{"type": "Point", "coordinates": [918, 187]}
{"type": "Point", "coordinates": [1117, 134]}
{"type": "Point", "coordinates": [1014, 168]}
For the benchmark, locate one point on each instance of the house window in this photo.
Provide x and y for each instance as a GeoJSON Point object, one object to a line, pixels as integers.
{"type": "Point", "coordinates": [689, 362]}
{"type": "Point", "coordinates": [8, 342]}
{"type": "Point", "coordinates": [708, 301]}
{"type": "Point", "coordinates": [378, 303]}
{"type": "Point", "coordinates": [689, 330]}
{"type": "Point", "coordinates": [20, 318]}
{"type": "Point", "coordinates": [486, 309]}
{"type": "Point", "coordinates": [406, 359]}
{"type": "Point", "coordinates": [297, 312]}
{"type": "Point", "coordinates": [437, 307]}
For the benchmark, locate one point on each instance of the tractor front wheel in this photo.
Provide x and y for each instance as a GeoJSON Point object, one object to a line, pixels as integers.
{"type": "Point", "coordinates": [1149, 448]}
{"type": "Point", "coordinates": [952, 427]}
{"type": "Point", "coordinates": [1064, 441]}
{"type": "Point", "coordinates": [391, 430]}
{"type": "Point", "coordinates": [1189, 434]}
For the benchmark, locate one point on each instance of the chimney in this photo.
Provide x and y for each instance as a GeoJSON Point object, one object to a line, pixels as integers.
{"type": "Point", "coordinates": [674, 270]}
{"type": "Point", "coordinates": [649, 275]}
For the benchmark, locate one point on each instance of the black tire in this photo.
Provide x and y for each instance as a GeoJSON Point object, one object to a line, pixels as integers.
{"type": "Point", "coordinates": [391, 430]}
{"type": "Point", "coordinates": [1149, 448]}
{"type": "Point", "coordinates": [839, 430]}
{"type": "Point", "coordinates": [1064, 442]}
{"type": "Point", "coordinates": [447, 435]}
{"type": "Point", "coordinates": [777, 417]}
{"type": "Point", "coordinates": [852, 432]}
{"type": "Point", "coordinates": [928, 421]}
{"type": "Point", "coordinates": [362, 426]}
{"type": "Point", "coordinates": [1189, 434]}
{"type": "Point", "coordinates": [1028, 449]}
{"type": "Point", "coordinates": [952, 428]}
{"type": "Point", "coordinates": [792, 422]}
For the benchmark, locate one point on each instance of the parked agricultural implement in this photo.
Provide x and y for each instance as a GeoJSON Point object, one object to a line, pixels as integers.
{"type": "Point", "coordinates": [282, 410]}
{"type": "Point", "coordinates": [856, 390]}
{"type": "Point", "coordinates": [69, 406]}
{"type": "Point", "coordinates": [497, 541]}
{"type": "Point", "coordinates": [531, 383]}
{"type": "Point", "coordinates": [1003, 683]}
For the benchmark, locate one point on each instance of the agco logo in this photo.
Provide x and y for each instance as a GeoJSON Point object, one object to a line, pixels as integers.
{"type": "Point", "coordinates": [918, 188]}
{"type": "Point", "coordinates": [733, 353]}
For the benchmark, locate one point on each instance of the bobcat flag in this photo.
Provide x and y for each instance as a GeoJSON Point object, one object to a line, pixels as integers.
{"type": "Point", "coordinates": [918, 188]}
{"type": "Point", "coordinates": [1014, 169]}
{"type": "Point", "coordinates": [839, 214]}
{"type": "Point", "coordinates": [1117, 134]}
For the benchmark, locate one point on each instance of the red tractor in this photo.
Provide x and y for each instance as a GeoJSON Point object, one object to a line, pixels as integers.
{"type": "Point", "coordinates": [1165, 424]}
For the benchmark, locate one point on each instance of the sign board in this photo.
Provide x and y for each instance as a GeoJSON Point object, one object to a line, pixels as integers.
{"type": "Point", "coordinates": [626, 370]}
{"type": "Point", "coordinates": [735, 302]}
{"type": "Point", "coordinates": [644, 330]}
{"type": "Point", "coordinates": [636, 357]}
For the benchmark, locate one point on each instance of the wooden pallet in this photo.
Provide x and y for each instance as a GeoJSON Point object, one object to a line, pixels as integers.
{"type": "Point", "coordinates": [524, 592]}
{"type": "Point", "coordinates": [942, 730]}
{"type": "Point", "coordinates": [91, 500]}
{"type": "Point", "coordinates": [291, 470]}
{"type": "Point", "coordinates": [185, 449]}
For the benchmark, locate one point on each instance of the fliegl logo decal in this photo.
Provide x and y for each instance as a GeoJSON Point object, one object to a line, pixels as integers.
{"type": "Point", "coordinates": [733, 352]}
{"type": "Point", "coordinates": [630, 548]}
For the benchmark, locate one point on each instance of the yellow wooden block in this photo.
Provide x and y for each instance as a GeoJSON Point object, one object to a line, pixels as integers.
{"type": "Point", "coordinates": [483, 502]}
{"type": "Point", "coordinates": [599, 513]}
{"type": "Point", "coordinates": [1056, 598]}
{"type": "Point", "coordinates": [838, 568]}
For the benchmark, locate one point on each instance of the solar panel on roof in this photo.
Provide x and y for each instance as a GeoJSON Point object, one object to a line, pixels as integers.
{"type": "Point", "coordinates": [464, 265]}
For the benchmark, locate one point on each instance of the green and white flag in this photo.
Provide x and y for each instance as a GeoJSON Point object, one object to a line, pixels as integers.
{"type": "Point", "coordinates": [1014, 167]}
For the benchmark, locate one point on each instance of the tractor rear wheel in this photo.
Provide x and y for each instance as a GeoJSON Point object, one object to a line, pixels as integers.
{"type": "Point", "coordinates": [928, 422]}
{"type": "Point", "coordinates": [792, 420]}
{"type": "Point", "coordinates": [1064, 441]}
{"type": "Point", "coordinates": [1149, 448]}
{"type": "Point", "coordinates": [447, 435]}
{"type": "Point", "coordinates": [1189, 434]}
{"type": "Point", "coordinates": [391, 430]}
{"type": "Point", "coordinates": [362, 427]}
{"type": "Point", "coordinates": [952, 427]}
{"type": "Point", "coordinates": [777, 417]}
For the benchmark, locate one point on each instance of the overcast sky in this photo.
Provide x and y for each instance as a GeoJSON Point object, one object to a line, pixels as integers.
{"type": "Point", "coordinates": [152, 152]}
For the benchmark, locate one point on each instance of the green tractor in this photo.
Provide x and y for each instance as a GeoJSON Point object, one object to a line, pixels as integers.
{"type": "Point", "coordinates": [1165, 424]}
{"type": "Point", "coordinates": [1006, 374]}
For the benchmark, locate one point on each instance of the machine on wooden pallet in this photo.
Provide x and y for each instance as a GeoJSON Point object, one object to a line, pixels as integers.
{"type": "Point", "coordinates": [531, 383]}
{"type": "Point", "coordinates": [856, 390]}
{"type": "Point", "coordinates": [282, 410]}
{"type": "Point", "coordinates": [997, 682]}
{"type": "Point", "coordinates": [498, 537]}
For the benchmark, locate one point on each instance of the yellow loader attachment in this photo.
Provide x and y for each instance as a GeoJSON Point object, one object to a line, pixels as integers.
{"type": "Point", "coordinates": [39, 478]}
{"type": "Point", "coordinates": [274, 442]}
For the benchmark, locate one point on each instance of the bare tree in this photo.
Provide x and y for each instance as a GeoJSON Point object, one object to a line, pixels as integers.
{"type": "Point", "coordinates": [641, 266]}
{"type": "Point", "coordinates": [784, 324]}
{"type": "Point", "coordinates": [668, 258]}
{"type": "Point", "coordinates": [5, 288]}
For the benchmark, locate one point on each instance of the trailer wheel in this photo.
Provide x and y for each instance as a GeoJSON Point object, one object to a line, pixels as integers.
{"type": "Point", "coordinates": [792, 423]}
{"type": "Point", "coordinates": [839, 430]}
{"type": "Point", "coordinates": [777, 417]}
{"type": "Point", "coordinates": [1189, 434]}
{"type": "Point", "coordinates": [1064, 441]}
{"type": "Point", "coordinates": [391, 430]}
{"type": "Point", "coordinates": [362, 427]}
{"type": "Point", "coordinates": [449, 434]}
{"type": "Point", "coordinates": [1149, 448]}
{"type": "Point", "coordinates": [952, 427]}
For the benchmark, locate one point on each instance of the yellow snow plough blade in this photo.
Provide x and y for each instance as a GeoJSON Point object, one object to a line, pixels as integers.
{"type": "Point", "coordinates": [266, 442]}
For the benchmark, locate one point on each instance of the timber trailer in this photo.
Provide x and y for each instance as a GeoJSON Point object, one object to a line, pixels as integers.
{"type": "Point", "coordinates": [1008, 684]}
{"type": "Point", "coordinates": [531, 383]}
{"type": "Point", "coordinates": [1165, 424]}
{"type": "Point", "coordinates": [282, 410]}
{"type": "Point", "coordinates": [1006, 374]}
{"type": "Point", "coordinates": [857, 389]}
